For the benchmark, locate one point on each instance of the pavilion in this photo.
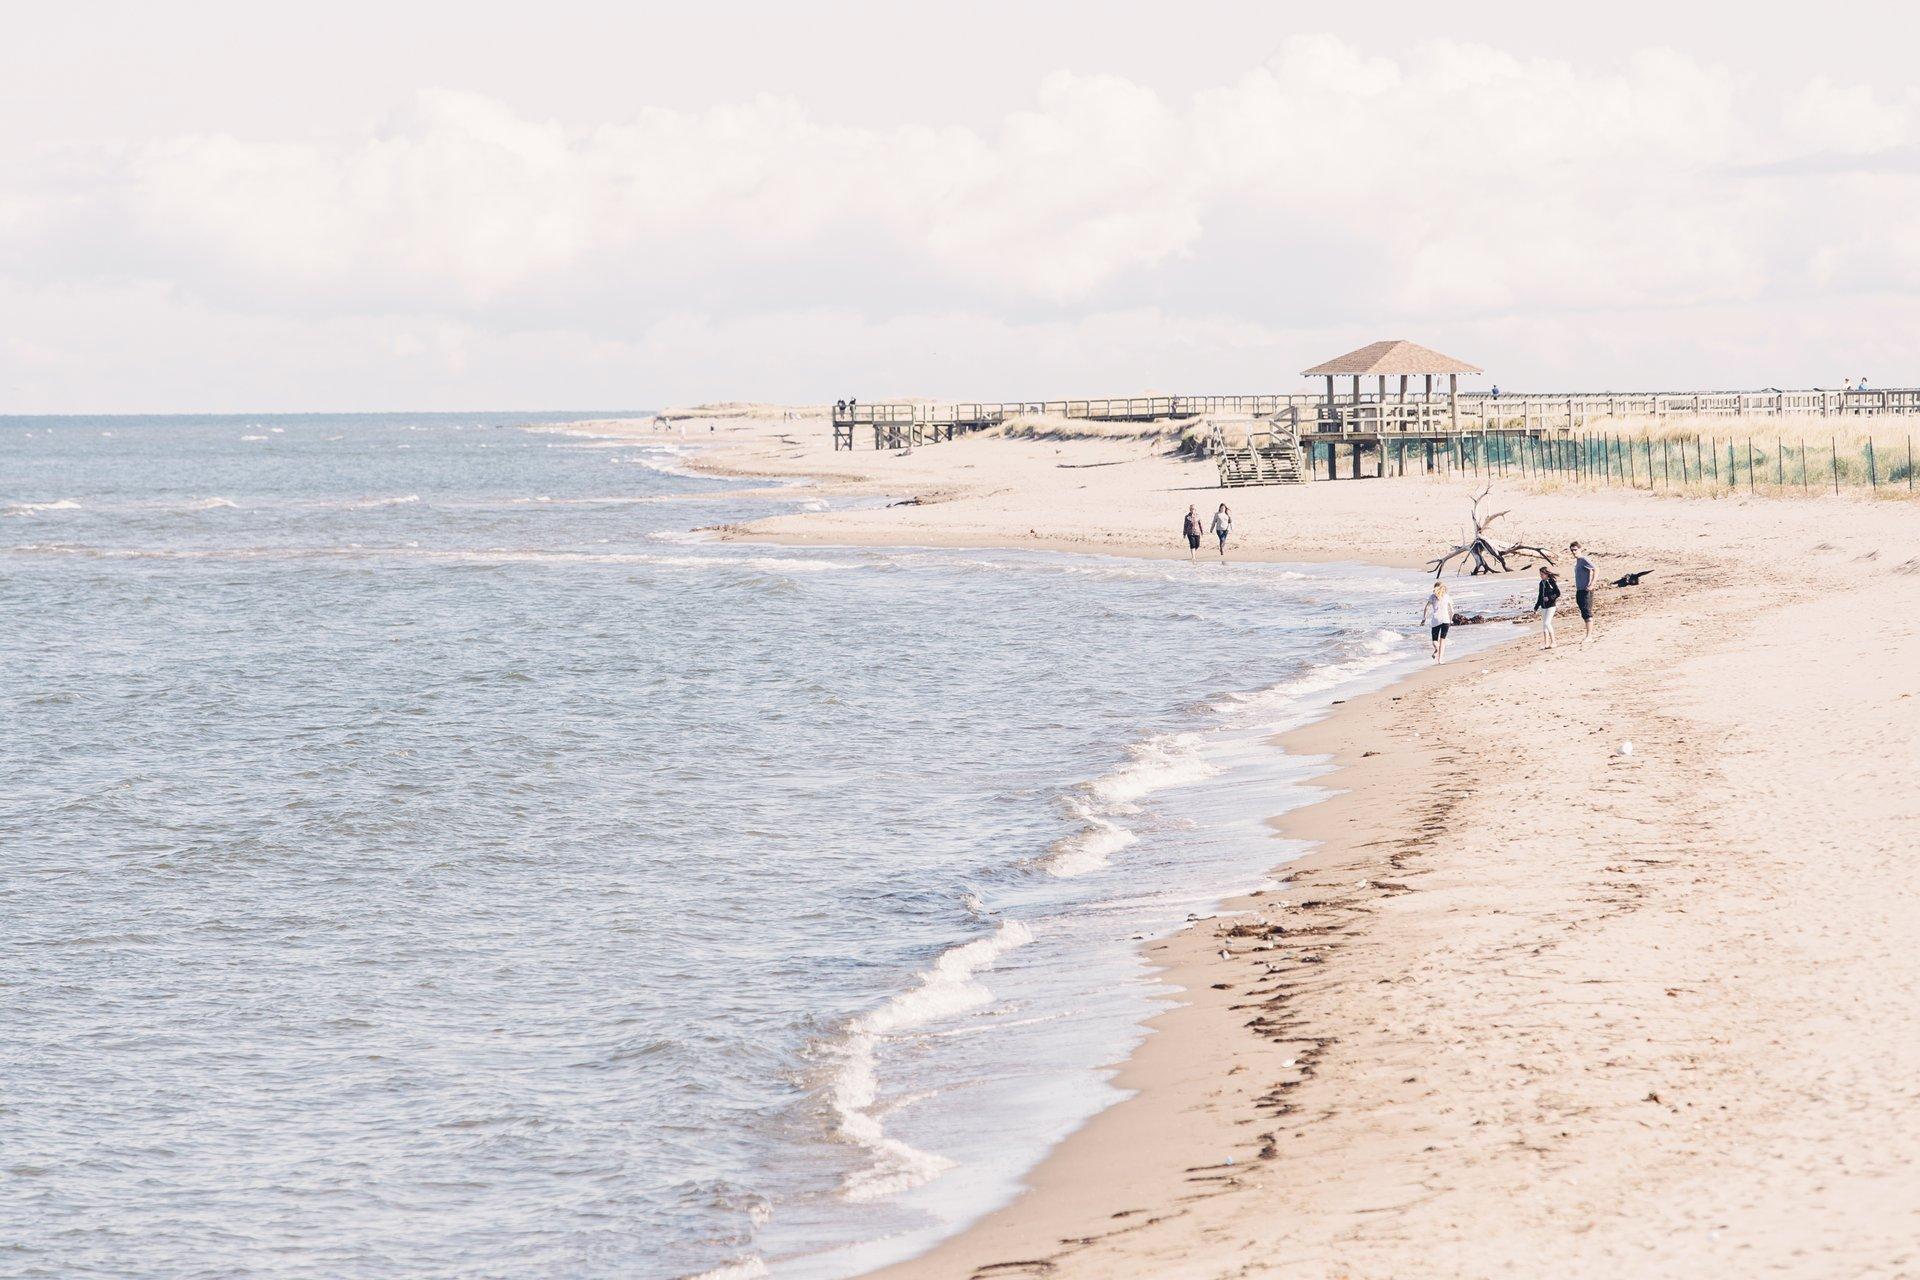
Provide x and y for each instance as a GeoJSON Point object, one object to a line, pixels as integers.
{"type": "Point", "coordinates": [1387, 359]}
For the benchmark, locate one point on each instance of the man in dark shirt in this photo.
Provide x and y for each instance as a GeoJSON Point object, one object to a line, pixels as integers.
{"type": "Point", "coordinates": [1584, 578]}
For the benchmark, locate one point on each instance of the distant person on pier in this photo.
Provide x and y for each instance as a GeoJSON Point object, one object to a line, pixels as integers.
{"type": "Point", "coordinates": [1585, 577]}
{"type": "Point", "coordinates": [1863, 383]}
{"type": "Point", "coordinates": [1496, 391]}
{"type": "Point", "coordinates": [1544, 602]}
{"type": "Point", "coordinates": [1222, 526]}
{"type": "Point", "coordinates": [1194, 529]}
{"type": "Point", "coordinates": [1438, 618]}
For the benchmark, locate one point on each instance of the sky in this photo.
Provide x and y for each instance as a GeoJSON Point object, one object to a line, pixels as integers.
{"type": "Point", "coordinates": [228, 207]}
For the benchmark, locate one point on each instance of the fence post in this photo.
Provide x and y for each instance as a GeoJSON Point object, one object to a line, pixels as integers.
{"type": "Point", "coordinates": [1666, 463]}
{"type": "Point", "coordinates": [1873, 470]}
{"type": "Point", "coordinates": [1833, 452]}
{"type": "Point", "coordinates": [1750, 488]}
{"type": "Point", "coordinates": [1806, 485]}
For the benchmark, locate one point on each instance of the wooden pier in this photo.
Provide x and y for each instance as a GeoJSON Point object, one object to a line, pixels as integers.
{"type": "Point", "coordinates": [901, 425]}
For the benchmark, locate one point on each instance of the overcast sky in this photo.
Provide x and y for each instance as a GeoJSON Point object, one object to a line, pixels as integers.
{"type": "Point", "coordinates": [237, 207]}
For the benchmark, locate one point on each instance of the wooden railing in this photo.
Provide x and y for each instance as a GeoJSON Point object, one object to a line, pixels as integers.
{"type": "Point", "coordinates": [902, 425]}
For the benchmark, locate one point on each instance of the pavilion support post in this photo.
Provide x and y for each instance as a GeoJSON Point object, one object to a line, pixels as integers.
{"type": "Point", "coordinates": [1453, 402]}
{"type": "Point", "coordinates": [1426, 404]}
{"type": "Point", "coordinates": [1331, 416]}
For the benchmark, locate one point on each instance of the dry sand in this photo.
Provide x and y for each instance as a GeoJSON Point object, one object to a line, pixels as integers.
{"type": "Point", "coordinates": [1532, 1006]}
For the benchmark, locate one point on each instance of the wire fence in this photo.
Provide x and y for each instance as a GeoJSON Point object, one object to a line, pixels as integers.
{"type": "Point", "coordinates": [1805, 465]}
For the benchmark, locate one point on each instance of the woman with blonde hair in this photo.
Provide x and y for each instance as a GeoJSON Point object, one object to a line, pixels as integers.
{"type": "Point", "coordinates": [1438, 617]}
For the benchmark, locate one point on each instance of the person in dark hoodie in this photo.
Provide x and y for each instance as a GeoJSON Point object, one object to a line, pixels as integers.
{"type": "Point", "coordinates": [1544, 602]}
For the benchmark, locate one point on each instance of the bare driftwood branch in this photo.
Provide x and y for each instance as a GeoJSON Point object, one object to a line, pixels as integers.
{"type": "Point", "coordinates": [1479, 549]}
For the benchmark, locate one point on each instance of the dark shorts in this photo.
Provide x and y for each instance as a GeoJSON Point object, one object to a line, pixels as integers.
{"type": "Point", "coordinates": [1193, 541]}
{"type": "Point", "coordinates": [1440, 630]}
{"type": "Point", "coordinates": [1585, 600]}
{"type": "Point", "coordinates": [1223, 537]}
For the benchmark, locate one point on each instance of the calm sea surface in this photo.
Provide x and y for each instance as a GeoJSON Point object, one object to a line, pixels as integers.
{"type": "Point", "coordinates": [421, 856]}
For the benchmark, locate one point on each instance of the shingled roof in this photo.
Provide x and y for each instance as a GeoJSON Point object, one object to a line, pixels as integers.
{"type": "Point", "coordinates": [1394, 356]}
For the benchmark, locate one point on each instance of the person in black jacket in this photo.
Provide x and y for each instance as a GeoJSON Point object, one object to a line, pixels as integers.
{"type": "Point", "coordinates": [1544, 602]}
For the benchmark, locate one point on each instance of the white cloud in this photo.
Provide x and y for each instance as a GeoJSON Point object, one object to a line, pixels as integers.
{"type": "Point", "coordinates": [1452, 186]}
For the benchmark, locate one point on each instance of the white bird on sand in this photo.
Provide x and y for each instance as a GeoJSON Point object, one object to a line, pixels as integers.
{"type": "Point", "coordinates": [1625, 749]}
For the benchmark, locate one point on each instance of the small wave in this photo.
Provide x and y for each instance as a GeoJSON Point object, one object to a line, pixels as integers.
{"type": "Point", "coordinates": [1171, 760]}
{"type": "Point", "coordinates": [401, 501]}
{"type": "Point", "coordinates": [211, 504]}
{"type": "Point", "coordinates": [1088, 849]}
{"type": "Point", "coordinates": [31, 508]}
{"type": "Point", "coordinates": [739, 1269]}
{"type": "Point", "coordinates": [945, 990]}
{"type": "Point", "coordinates": [252, 439]}
{"type": "Point", "coordinates": [1377, 651]}
{"type": "Point", "coordinates": [1384, 641]}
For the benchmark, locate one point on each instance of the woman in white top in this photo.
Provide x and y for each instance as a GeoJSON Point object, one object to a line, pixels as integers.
{"type": "Point", "coordinates": [1437, 617]}
{"type": "Point", "coordinates": [1222, 526]}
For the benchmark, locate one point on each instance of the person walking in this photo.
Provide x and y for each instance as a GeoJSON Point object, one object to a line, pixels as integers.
{"type": "Point", "coordinates": [1544, 602]}
{"type": "Point", "coordinates": [1438, 618]}
{"type": "Point", "coordinates": [1195, 528]}
{"type": "Point", "coordinates": [1222, 526]}
{"type": "Point", "coordinates": [1585, 578]}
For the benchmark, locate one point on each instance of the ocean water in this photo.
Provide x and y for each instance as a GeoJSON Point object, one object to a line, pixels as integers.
{"type": "Point", "coordinates": [425, 856]}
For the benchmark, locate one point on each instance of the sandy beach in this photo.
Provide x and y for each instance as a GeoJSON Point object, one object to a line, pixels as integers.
{"type": "Point", "coordinates": [1538, 1002]}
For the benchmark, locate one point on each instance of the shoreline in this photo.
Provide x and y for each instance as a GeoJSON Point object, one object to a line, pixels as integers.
{"type": "Point", "coordinates": [1541, 995]}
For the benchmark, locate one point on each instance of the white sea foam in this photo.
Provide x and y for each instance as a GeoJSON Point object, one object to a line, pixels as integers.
{"type": "Point", "coordinates": [662, 461]}
{"type": "Point", "coordinates": [252, 439]}
{"type": "Point", "coordinates": [405, 499]}
{"type": "Point", "coordinates": [740, 1269]}
{"type": "Point", "coordinates": [1090, 848]}
{"type": "Point", "coordinates": [32, 508]}
{"type": "Point", "coordinates": [948, 988]}
{"type": "Point", "coordinates": [1170, 760]}
{"type": "Point", "coordinates": [1378, 650]}
{"type": "Point", "coordinates": [211, 504]}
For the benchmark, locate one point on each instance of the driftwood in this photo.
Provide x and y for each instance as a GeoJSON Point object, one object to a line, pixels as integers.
{"type": "Point", "coordinates": [1479, 549]}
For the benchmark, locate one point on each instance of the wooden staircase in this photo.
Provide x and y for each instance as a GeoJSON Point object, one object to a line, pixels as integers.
{"type": "Point", "coordinates": [1270, 457]}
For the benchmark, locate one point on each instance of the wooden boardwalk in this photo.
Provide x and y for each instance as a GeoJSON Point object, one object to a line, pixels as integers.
{"type": "Point", "coordinates": [906, 425]}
